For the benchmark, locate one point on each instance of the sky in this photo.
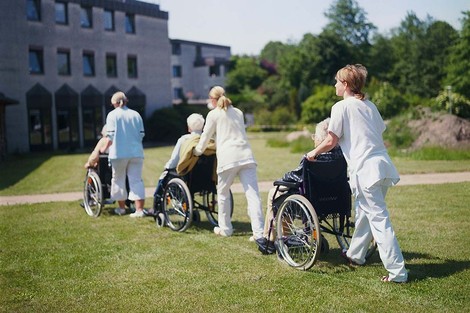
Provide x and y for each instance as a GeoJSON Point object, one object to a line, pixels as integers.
{"type": "Point", "coordinates": [248, 25]}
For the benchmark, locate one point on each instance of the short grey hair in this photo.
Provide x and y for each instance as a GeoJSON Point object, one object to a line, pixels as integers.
{"type": "Point", "coordinates": [321, 130]}
{"type": "Point", "coordinates": [195, 122]}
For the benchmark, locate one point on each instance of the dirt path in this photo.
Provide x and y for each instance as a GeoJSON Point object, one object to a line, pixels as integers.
{"type": "Point", "coordinates": [416, 179]}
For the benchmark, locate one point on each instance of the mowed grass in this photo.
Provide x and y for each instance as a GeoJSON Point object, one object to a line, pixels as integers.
{"type": "Point", "coordinates": [41, 173]}
{"type": "Point", "coordinates": [55, 258]}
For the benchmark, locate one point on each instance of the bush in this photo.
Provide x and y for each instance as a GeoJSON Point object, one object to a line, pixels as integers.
{"type": "Point", "coordinates": [398, 134]}
{"type": "Point", "coordinates": [318, 106]}
{"type": "Point", "coordinates": [168, 124]}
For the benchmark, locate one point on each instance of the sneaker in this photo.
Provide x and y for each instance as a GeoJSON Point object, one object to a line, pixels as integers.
{"type": "Point", "coordinates": [265, 246]}
{"type": "Point", "coordinates": [221, 232]}
{"type": "Point", "coordinates": [251, 239]}
{"type": "Point", "coordinates": [149, 212]}
{"type": "Point", "coordinates": [119, 211]}
{"type": "Point", "coordinates": [137, 214]}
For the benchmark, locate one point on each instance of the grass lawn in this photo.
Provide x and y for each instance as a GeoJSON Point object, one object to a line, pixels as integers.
{"type": "Point", "coordinates": [51, 173]}
{"type": "Point", "coordinates": [54, 258]}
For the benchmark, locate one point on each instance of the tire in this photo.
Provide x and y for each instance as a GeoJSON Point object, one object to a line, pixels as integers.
{"type": "Point", "coordinates": [298, 234]}
{"type": "Point", "coordinates": [93, 194]}
{"type": "Point", "coordinates": [211, 206]}
{"type": "Point", "coordinates": [177, 205]}
{"type": "Point", "coordinates": [344, 227]}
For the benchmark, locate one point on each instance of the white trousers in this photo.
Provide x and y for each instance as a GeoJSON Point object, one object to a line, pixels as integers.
{"type": "Point", "coordinates": [373, 221]}
{"type": "Point", "coordinates": [132, 168]}
{"type": "Point", "coordinates": [249, 181]}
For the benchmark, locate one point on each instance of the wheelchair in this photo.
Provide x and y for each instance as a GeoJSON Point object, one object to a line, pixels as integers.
{"type": "Point", "coordinates": [321, 203]}
{"type": "Point", "coordinates": [184, 196]}
{"type": "Point", "coordinates": [97, 188]}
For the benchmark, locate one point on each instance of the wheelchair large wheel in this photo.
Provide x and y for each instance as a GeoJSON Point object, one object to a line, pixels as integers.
{"type": "Point", "coordinates": [344, 226]}
{"type": "Point", "coordinates": [212, 207]}
{"type": "Point", "coordinates": [93, 194]}
{"type": "Point", "coordinates": [298, 232]}
{"type": "Point", "coordinates": [177, 205]}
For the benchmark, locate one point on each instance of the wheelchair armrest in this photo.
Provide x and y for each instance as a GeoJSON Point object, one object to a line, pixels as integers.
{"type": "Point", "coordinates": [287, 184]}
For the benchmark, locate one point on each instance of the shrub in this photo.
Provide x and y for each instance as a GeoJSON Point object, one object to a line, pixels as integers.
{"type": "Point", "coordinates": [168, 124]}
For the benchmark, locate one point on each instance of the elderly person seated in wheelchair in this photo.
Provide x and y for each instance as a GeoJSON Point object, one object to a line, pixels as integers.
{"type": "Point", "coordinates": [195, 124]}
{"type": "Point", "coordinates": [266, 244]}
{"type": "Point", "coordinates": [94, 157]}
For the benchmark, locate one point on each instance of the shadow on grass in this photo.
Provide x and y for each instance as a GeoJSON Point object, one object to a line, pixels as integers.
{"type": "Point", "coordinates": [16, 168]}
{"type": "Point", "coordinates": [423, 266]}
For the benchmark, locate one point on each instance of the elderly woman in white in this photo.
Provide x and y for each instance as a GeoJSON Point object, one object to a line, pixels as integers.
{"type": "Point", "coordinates": [234, 158]}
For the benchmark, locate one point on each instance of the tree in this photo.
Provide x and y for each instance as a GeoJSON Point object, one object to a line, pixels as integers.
{"type": "Point", "coordinates": [458, 67]}
{"type": "Point", "coordinates": [245, 73]}
{"type": "Point", "coordinates": [349, 22]}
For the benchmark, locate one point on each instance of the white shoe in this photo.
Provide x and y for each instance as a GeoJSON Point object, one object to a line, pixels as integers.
{"type": "Point", "coordinates": [221, 232]}
{"type": "Point", "coordinates": [251, 239]}
{"type": "Point", "coordinates": [137, 214]}
{"type": "Point", "coordinates": [119, 211]}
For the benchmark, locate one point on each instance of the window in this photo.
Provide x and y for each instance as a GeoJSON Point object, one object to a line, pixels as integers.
{"type": "Point", "coordinates": [33, 10]}
{"type": "Point", "coordinates": [130, 24]}
{"type": "Point", "coordinates": [176, 49]}
{"type": "Point", "coordinates": [176, 70]}
{"type": "Point", "coordinates": [214, 71]}
{"type": "Point", "coordinates": [111, 65]}
{"type": "Point", "coordinates": [88, 64]}
{"type": "Point", "coordinates": [132, 66]}
{"type": "Point", "coordinates": [36, 61]}
{"type": "Point", "coordinates": [108, 20]}
{"type": "Point", "coordinates": [178, 93]}
{"type": "Point", "coordinates": [63, 62]}
{"type": "Point", "coordinates": [61, 16]}
{"type": "Point", "coordinates": [86, 17]}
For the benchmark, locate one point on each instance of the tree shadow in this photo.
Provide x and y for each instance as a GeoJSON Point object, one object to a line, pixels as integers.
{"type": "Point", "coordinates": [16, 168]}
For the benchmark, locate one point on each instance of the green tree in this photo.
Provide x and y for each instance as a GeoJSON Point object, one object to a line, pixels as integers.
{"type": "Point", "coordinates": [318, 106]}
{"type": "Point", "coordinates": [245, 72]}
{"type": "Point", "coordinates": [349, 22]}
{"type": "Point", "coordinates": [458, 67]}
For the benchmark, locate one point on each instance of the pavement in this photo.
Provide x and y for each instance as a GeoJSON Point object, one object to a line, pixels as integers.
{"type": "Point", "coordinates": [414, 179]}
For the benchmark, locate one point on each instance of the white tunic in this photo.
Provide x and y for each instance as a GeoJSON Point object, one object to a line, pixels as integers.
{"type": "Point", "coordinates": [359, 127]}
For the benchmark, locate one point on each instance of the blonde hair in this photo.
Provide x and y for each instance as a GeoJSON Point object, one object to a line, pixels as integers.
{"type": "Point", "coordinates": [355, 76]}
{"type": "Point", "coordinates": [218, 93]}
{"type": "Point", "coordinates": [119, 98]}
{"type": "Point", "coordinates": [195, 122]}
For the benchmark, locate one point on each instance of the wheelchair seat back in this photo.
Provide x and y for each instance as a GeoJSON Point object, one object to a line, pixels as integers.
{"type": "Point", "coordinates": [201, 177]}
{"type": "Point", "coordinates": [326, 186]}
{"type": "Point", "coordinates": [105, 174]}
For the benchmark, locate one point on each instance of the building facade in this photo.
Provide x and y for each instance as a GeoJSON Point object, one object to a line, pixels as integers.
{"type": "Point", "coordinates": [197, 67]}
{"type": "Point", "coordinates": [62, 60]}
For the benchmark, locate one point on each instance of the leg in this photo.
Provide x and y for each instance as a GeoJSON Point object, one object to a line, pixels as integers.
{"type": "Point", "coordinates": [136, 185]}
{"type": "Point", "coordinates": [362, 236]}
{"type": "Point", "coordinates": [224, 181]}
{"type": "Point", "coordinates": [118, 181]}
{"type": "Point", "coordinates": [372, 202]}
{"type": "Point", "coordinates": [249, 181]}
{"type": "Point", "coordinates": [268, 232]}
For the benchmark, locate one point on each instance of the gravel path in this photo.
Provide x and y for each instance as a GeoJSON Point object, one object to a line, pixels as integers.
{"type": "Point", "coordinates": [415, 179]}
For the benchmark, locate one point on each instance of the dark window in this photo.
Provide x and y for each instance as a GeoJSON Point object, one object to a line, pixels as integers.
{"type": "Point", "coordinates": [111, 65]}
{"type": "Point", "coordinates": [176, 49]}
{"type": "Point", "coordinates": [108, 20]}
{"type": "Point", "coordinates": [176, 70]}
{"type": "Point", "coordinates": [61, 16]}
{"type": "Point", "coordinates": [88, 64]}
{"type": "Point", "coordinates": [132, 66]}
{"type": "Point", "coordinates": [39, 104]}
{"type": "Point", "coordinates": [214, 70]}
{"type": "Point", "coordinates": [86, 17]}
{"type": "Point", "coordinates": [63, 62]}
{"type": "Point", "coordinates": [33, 10]}
{"type": "Point", "coordinates": [178, 93]}
{"type": "Point", "coordinates": [36, 61]}
{"type": "Point", "coordinates": [130, 24]}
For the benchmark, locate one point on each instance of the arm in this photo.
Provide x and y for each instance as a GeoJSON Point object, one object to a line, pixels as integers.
{"type": "Point", "coordinates": [326, 145]}
{"type": "Point", "coordinates": [207, 133]}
